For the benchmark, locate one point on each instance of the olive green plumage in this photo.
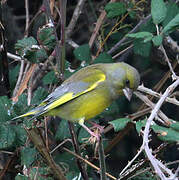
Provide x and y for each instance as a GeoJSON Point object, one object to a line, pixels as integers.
{"type": "Point", "coordinates": [88, 92]}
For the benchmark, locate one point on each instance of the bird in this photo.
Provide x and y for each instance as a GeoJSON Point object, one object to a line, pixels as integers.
{"type": "Point", "coordinates": [88, 92]}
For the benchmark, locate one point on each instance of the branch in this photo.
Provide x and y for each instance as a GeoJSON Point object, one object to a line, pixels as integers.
{"type": "Point", "coordinates": [156, 94]}
{"type": "Point", "coordinates": [157, 167]}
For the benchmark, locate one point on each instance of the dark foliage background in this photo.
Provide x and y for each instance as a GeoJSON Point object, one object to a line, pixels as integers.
{"type": "Point", "coordinates": [29, 71]}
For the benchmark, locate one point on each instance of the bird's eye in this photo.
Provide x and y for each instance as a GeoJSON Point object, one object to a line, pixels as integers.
{"type": "Point", "coordinates": [127, 82]}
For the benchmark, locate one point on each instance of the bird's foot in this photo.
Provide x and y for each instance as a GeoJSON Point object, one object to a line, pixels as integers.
{"type": "Point", "coordinates": [101, 128]}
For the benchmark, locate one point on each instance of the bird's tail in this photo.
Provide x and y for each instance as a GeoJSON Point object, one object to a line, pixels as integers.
{"type": "Point", "coordinates": [32, 113]}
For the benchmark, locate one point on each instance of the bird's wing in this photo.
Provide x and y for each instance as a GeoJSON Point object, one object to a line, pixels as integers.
{"type": "Point", "coordinates": [73, 87]}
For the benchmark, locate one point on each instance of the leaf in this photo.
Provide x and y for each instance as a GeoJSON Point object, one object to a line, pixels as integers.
{"type": "Point", "coordinates": [115, 9]}
{"type": "Point", "coordinates": [163, 133]}
{"type": "Point", "coordinates": [149, 26]}
{"type": "Point", "coordinates": [24, 44]}
{"type": "Point", "coordinates": [5, 109]}
{"type": "Point", "coordinates": [7, 136]}
{"type": "Point", "coordinates": [82, 53]}
{"type": "Point", "coordinates": [46, 38]}
{"type": "Point", "coordinates": [139, 125]}
{"type": "Point", "coordinates": [172, 11]}
{"type": "Point", "coordinates": [41, 171]}
{"type": "Point", "coordinates": [120, 123]}
{"type": "Point", "coordinates": [141, 35]}
{"type": "Point", "coordinates": [21, 135]}
{"type": "Point", "coordinates": [50, 78]}
{"type": "Point", "coordinates": [142, 48]}
{"type": "Point", "coordinates": [158, 11]}
{"type": "Point", "coordinates": [28, 156]}
{"type": "Point", "coordinates": [21, 177]}
{"type": "Point", "coordinates": [39, 96]}
{"type": "Point", "coordinates": [13, 74]}
{"type": "Point", "coordinates": [104, 58]}
{"type": "Point", "coordinates": [20, 107]}
{"type": "Point", "coordinates": [166, 134]}
{"type": "Point", "coordinates": [28, 48]}
{"type": "Point", "coordinates": [83, 135]}
{"type": "Point", "coordinates": [62, 131]}
{"type": "Point", "coordinates": [157, 40]}
{"type": "Point", "coordinates": [172, 25]}
{"type": "Point", "coordinates": [175, 125]}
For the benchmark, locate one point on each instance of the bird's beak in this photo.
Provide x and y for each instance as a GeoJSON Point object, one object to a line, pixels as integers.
{"type": "Point", "coordinates": [128, 93]}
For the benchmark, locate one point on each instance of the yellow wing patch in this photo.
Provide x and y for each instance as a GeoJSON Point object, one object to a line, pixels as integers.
{"type": "Point", "coordinates": [69, 96]}
{"type": "Point", "coordinates": [62, 100]}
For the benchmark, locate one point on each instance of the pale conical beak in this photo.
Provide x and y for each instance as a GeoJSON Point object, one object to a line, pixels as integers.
{"type": "Point", "coordinates": [128, 93]}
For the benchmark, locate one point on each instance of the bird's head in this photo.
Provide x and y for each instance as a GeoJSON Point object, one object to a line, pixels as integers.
{"type": "Point", "coordinates": [125, 79]}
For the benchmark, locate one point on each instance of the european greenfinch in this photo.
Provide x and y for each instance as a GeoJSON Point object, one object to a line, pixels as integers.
{"type": "Point", "coordinates": [88, 92]}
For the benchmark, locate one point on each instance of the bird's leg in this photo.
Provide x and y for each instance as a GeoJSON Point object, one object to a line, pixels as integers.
{"type": "Point", "coordinates": [81, 122]}
{"type": "Point", "coordinates": [95, 125]}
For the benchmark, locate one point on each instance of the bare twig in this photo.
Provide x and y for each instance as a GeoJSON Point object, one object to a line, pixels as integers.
{"type": "Point", "coordinates": [114, 48]}
{"type": "Point", "coordinates": [98, 25]}
{"type": "Point", "coordinates": [76, 146]}
{"type": "Point", "coordinates": [89, 163]}
{"type": "Point", "coordinates": [19, 78]}
{"type": "Point", "coordinates": [152, 105]}
{"type": "Point", "coordinates": [27, 17]}
{"type": "Point", "coordinates": [156, 94]}
{"type": "Point", "coordinates": [75, 17]}
{"type": "Point", "coordinates": [145, 145]}
{"type": "Point", "coordinates": [174, 76]}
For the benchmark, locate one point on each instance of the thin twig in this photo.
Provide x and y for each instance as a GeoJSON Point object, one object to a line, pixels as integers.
{"type": "Point", "coordinates": [135, 29]}
{"type": "Point", "coordinates": [89, 163]}
{"type": "Point", "coordinates": [75, 17]}
{"type": "Point", "coordinates": [152, 105]}
{"type": "Point", "coordinates": [154, 112]}
{"type": "Point", "coordinates": [19, 78]}
{"type": "Point", "coordinates": [80, 163]}
{"type": "Point", "coordinates": [98, 25]}
{"type": "Point", "coordinates": [102, 160]}
{"type": "Point", "coordinates": [156, 94]}
{"type": "Point", "coordinates": [27, 17]}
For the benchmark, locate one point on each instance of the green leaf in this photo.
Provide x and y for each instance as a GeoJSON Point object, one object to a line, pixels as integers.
{"type": "Point", "coordinates": [39, 96]}
{"type": "Point", "coordinates": [141, 35]}
{"type": "Point", "coordinates": [157, 40]}
{"type": "Point", "coordinates": [163, 133]}
{"type": "Point", "coordinates": [175, 125]}
{"type": "Point", "coordinates": [20, 107]}
{"type": "Point", "coordinates": [166, 134]}
{"type": "Point", "coordinates": [115, 9]}
{"type": "Point", "coordinates": [172, 11]}
{"type": "Point", "coordinates": [13, 74]}
{"type": "Point", "coordinates": [28, 48]}
{"type": "Point", "coordinates": [50, 78]}
{"type": "Point", "coordinates": [7, 136]}
{"type": "Point", "coordinates": [142, 48]}
{"type": "Point", "coordinates": [24, 44]}
{"type": "Point", "coordinates": [172, 25]}
{"type": "Point", "coordinates": [120, 123]}
{"type": "Point", "coordinates": [21, 177]}
{"type": "Point", "coordinates": [139, 125]}
{"type": "Point", "coordinates": [62, 131]}
{"type": "Point", "coordinates": [21, 135]}
{"type": "Point", "coordinates": [83, 135]}
{"type": "Point", "coordinates": [28, 156]}
{"type": "Point", "coordinates": [104, 58]}
{"type": "Point", "coordinates": [41, 171]}
{"type": "Point", "coordinates": [82, 53]}
{"type": "Point", "coordinates": [46, 38]}
{"type": "Point", "coordinates": [149, 26]}
{"type": "Point", "coordinates": [5, 109]}
{"type": "Point", "coordinates": [158, 11]}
